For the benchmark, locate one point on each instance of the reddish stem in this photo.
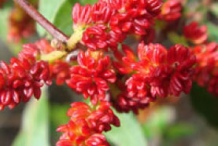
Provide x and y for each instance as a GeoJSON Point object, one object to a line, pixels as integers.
{"type": "Point", "coordinates": [54, 31]}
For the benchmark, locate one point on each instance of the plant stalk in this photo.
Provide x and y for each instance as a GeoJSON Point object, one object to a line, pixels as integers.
{"type": "Point", "coordinates": [54, 31]}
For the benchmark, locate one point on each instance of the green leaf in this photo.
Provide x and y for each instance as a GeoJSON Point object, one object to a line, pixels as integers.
{"type": "Point", "coordinates": [63, 18]}
{"type": "Point", "coordinates": [205, 104]}
{"type": "Point", "coordinates": [177, 39]}
{"type": "Point", "coordinates": [58, 12]}
{"type": "Point", "coordinates": [214, 8]}
{"type": "Point", "coordinates": [179, 130]}
{"type": "Point", "coordinates": [128, 134]}
{"type": "Point", "coordinates": [158, 121]}
{"type": "Point", "coordinates": [212, 31]}
{"type": "Point", "coordinates": [58, 117]}
{"type": "Point", "coordinates": [87, 1]}
{"type": "Point", "coordinates": [34, 129]}
{"type": "Point", "coordinates": [5, 12]}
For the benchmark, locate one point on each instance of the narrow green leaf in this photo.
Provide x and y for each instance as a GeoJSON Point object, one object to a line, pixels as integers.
{"type": "Point", "coordinates": [128, 134]}
{"type": "Point", "coordinates": [34, 129]}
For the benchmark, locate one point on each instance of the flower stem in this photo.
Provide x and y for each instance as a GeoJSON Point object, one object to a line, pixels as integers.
{"type": "Point", "coordinates": [54, 31]}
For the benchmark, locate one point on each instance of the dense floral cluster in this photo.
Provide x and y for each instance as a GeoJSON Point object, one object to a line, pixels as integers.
{"type": "Point", "coordinates": [157, 73]}
{"type": "Point", "coordinates": [22, 77]}
{"type": "Point", "coordinates": [92, 75]}
{"type": "Point", "coordinates": [87, 124]}
{"type": "Point", "coordinates": [206, 73]}
{"type": "Point", "coordinates": [108, 23]}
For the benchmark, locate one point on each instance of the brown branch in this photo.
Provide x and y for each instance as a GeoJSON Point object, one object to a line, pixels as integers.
{"type": "Point", "coordinates": [54, 31]}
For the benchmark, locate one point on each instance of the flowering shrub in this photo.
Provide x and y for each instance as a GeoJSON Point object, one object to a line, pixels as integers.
{"type": "Point", "coordinates": [97, 61]}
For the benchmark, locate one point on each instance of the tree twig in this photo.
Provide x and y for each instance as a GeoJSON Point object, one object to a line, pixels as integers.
{"type": "Point", "coordinates": [54, 31]}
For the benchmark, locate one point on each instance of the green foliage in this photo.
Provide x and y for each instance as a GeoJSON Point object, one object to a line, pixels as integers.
{"type": "Point", "coordinates": [57, 12]}
{"type": "Point", "coordinates": [34, 130]}
{"type": "Point", "coordinates": [179, 130]}
{"type": "Point", "coordinates": [212, 31]}
{"type": "Point", "coordinates": [4, 23]}
{"type": "Point", "coordinates": [205, 104]}
{"type": "Point", "coordinates": [128, 134]}
{"type": "Point", "coordinates": [160, 126]}
{"type": "Point", "coordinates": [158, 121]}
{"type": "Point", "coordinates": [177, 39]}
{"type": "Point", "coordinates": [214, 8]}
{"type": "Point", "coordinates": [63, 18]}
{"type": "Point", "coordinates": [87, 1]}
{"type": "Point", "coordinates": [57, 117]}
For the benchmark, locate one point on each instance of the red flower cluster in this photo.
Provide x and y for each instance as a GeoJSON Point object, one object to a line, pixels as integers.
{"type": "Point", "coordinates": [87, 124]}
{"type": "Point", "coordinates": [21, 25]}
{"type": "Point", "coordinates": [206, 72]}
{"type": "Point", "coordinates": [23, 77]}
{"type": "Point", "coordinates": [60, 71]}
{"type": "Point", "coordinates": [107, 70]}
{"type": "Point", "coordinates": [92, 75]}
{"type": "Point", "coordinates": [108, 22]}
{"type": "Point", "coordinates": [195, 33]}
{"type": "Point", "coordinates": [171, 10]}
{"type": "Point", "coordinates": [158, 73]}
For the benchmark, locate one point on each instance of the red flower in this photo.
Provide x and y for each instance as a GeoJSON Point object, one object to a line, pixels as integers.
{"type": "Point", "coordinates": [153, 6]}
{"type": "Point", "coordinates": [206, 71]}
{"type": "Point", "coordinates": [181, 61]}
{"type": "Point", "coordinates": [87, 124]}
{"type": "Point", "coordinates": [166, 72]}
{"type": "Point", "coordinates": [135, 21]}
{"type": "Point", "coordinates": [133, 16]}
{"type": "Point", "coordinates": [100, 119]}
{"type": "Point", "coordinates": [21, 25]}
{"type": "Point", "coordinates": [138, 88]}
{"type": "Point", "coordinates": [60, 71]}
{"type": "Point", "coordinates": [195, 33]}
{"type": "Point", "coordinates": [150, 56]}
{"type": "Point", "coordinates": [81, 15]}
{"type": "Point", "coordinates": [92, 75]}
{"type": "Point", "coordinates": [22, 79]}
{"type": "Point", "coordinates": [213, 85]}
{"type": "Point", "coordinates": [97, 140]}
{"type": "Point", "coordinates": [125, 62]}
{"type": "Point", "coordinates": [171, 10]}
{"type": "Point", "coordinates": [102, 13]}
{"type": "Point", "coordinates": [157, 73]}
{"type": "Point", "coordinates": [95, 37]}
{"type": "Point", "coordinates": [125, 104]}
